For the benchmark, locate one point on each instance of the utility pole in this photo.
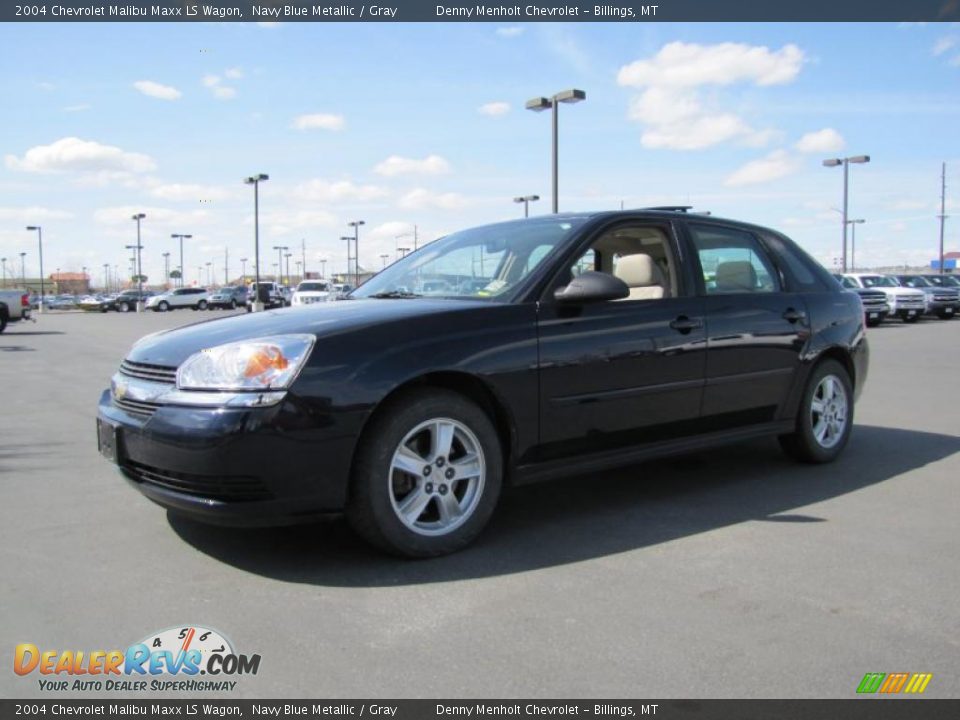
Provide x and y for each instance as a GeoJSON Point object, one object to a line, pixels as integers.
{"type": "Point", "coordinates": [226, 266]}
{"type": "Point", "coordinates": [303, 257]}
{"type": "Point", "coordinates": [943, 208]}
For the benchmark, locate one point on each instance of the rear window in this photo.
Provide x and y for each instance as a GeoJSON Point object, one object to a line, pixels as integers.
{"type": "Point", "coordinates": [803, 273]}
{"type": "Point", "coordinates": [313, 287]}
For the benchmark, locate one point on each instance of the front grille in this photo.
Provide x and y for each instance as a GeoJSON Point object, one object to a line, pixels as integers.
{"type": "Point", "coordinates": [236, 488]}
{"type": "Point", "coordinates": [945, 297]}
{"type": "Point", "coordinates": [136, 407]}
{"type": "Point", "coordinates": [145, 371]}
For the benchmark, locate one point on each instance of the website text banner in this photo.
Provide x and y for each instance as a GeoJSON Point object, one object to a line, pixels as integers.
{"type": "Point", "coordinates": [431, 11]}
{"type": "Point", "coordinates": [916, 709]}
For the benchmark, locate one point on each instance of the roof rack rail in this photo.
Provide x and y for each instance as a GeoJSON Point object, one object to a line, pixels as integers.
{"type": "Point", "coordinates": [672, 208]}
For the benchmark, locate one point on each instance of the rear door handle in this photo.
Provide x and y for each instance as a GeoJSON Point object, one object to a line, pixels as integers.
{"type": "Point", "coordinates": [792, 315]}
{"type": "Point", "coordinates": [685, 324]}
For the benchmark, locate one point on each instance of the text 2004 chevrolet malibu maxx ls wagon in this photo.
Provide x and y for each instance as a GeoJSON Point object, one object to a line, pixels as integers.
{"type": "Point", "coordinates": [505, 353]}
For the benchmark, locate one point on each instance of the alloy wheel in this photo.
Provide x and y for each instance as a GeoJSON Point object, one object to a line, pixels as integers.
{"type": "Point", "coordinates": [828, 411]}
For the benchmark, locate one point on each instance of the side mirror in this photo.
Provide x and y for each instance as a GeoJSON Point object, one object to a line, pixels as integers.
{"type": "Point", "coordinates": [591, 287]}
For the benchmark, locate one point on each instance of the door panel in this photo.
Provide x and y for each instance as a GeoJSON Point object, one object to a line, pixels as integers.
{"type": "Point", "coordinates": [609, 372]}
{"type": "Point", "coordinates": [753, 353]}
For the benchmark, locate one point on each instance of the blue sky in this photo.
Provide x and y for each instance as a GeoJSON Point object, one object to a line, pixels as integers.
{"type": "Point", "coordinates": [408, 124]}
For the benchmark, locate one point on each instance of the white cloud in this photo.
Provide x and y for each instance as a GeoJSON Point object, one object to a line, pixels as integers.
{"type": "Point", "coordinates": [494, 109]}
{"type": "Point", "coordinates": [155, 216]}
{"type": "Point", "coordinates": [32, 214]}
{"type": "Point", "coordinates": [216, 86]}
{"type": "Point", "coordinates": [690, 65]}
{"type": "Point", "coordinates": [821, 141]}
{"type": "Point", "coordinates": [776, 165]}
{"type": "Point", "coordinates": [234, 73]}
{"type": "Point", "coordinates": [319, 121]}
{"type": "Point", "coordinates": [421, 198]}
{"type": "Point", "coordinates": [77, 108]}
{"type": "Point", "coordinates": [396, 165]}
{"type": "Point", "coordinates": [177, 192]}
{"type": "Point", "coordinates": [670, 105]}
{"type": "Point", "coordinates": [156, 90]}
{"type": "Point", "coordinates": [325, 191]}
{"type": "Point", "coordinates": [943, 44]}
{"type": "Point", "coordinates": [84, 156]}
{"type": "Point", "coordinates": [510, 31]}
{"type": "Point", "coordinates": [389, 230]}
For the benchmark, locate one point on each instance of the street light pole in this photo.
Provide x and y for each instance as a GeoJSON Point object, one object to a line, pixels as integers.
{"type": "Point", "coordinates": [834, 162]}
{"type": "Point", "coordinates": [943, 208]}
{"type": "Point", "coordinates": [526, 200]}
{"type": "Point", "coordinates": [181, 237]}
{"type": "Point", "coordinates": [40, 241]}
{"type": "Point", "coordinates": [140, 304]}
{"type": "Point", "coordinates": [255, 180]}
{"type": "Point", "coordinates": [384, 257]}
{"type": "Point", "coordinates": [553, 103]}
{"type": "Point", "coordinates": [287, 255]}
{"type": "Point", "coordinates": [280, 249]}
{"type": "Point", "coordinates": [166, 268]}
{"type": "Point", "coordinates": [23, 270]}
{"type": "Point", "coordinates": [243, 271]}
{"type": "Point", "coordinates": [348, 239]}
{"type": "Point", "coordinates": [323, 267]}
{"type": "Point", "coordinates": [853, 242]}
{"type": "Point", "coordinates": [4, 261]}
{"type": "Point", "coordinates": [356, 249]}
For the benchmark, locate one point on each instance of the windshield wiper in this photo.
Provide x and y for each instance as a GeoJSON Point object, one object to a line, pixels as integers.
{"type": "Point", "coordinates": [390, 294]}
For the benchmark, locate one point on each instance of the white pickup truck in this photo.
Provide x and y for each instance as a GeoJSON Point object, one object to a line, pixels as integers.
{"type": "Point", "coordinates": [14, 306]}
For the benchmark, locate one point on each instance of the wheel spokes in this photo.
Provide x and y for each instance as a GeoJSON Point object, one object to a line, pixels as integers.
{"type": "Point", "coordinates": [408, 461]}
{"type": "Point", "coordinates": [414, 504]}
{"type": "Point", "coordinates": [441, 439]}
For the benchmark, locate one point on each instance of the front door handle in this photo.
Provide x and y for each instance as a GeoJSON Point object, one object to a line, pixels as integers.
{"type": "Point", "coordinates": [793, 315]}
{"type": "Point", "coordinates": [685, 324]}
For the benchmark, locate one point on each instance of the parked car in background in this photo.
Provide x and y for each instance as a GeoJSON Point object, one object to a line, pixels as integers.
{"type": "Point", "coordinates": [194, 298]}
{"type": "Point", "coordinates": [14, 307]}
{"type": "Point", "coordinates": [311, 291]}
{"type": "Point", "coordinates": [287, 295]}
{"type": "Point", "coordinates": [595, 342]}
{"type": "Point", "coordinates": [944, 302]}
{"type": "Point", "coordinates": [875, 307]}
{"type": "Point", "coordinates": [127, 300]}
{"type": "Point", "coordinates": [98, 303]}
{"type": "Point", "coordinates": [62, 302]}
{"type": "Point", "coordinates": [269, 294]}
{"type": "Point", "coordinates": [905, 303]}
{"type": "Point", "coordinates": [341, 290]}
{"type": "Point", "coordinates": [230, 297]}
{"type": "Point", "coordinates": [944, 280]}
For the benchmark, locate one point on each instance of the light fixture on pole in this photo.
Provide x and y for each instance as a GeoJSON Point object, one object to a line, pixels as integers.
{"type": "Point", "coordinates": [166, 268]}
{"type": "Point", "coordinates": [540, 104]}
{"type": "Point", "coordinates": [140, 304]}
{"type": "Point", "coordinates": [384, 257]}
{"type": "Point", "coordinates": [176, 236]}
{"type": "Point", "coordinates": [853, 242]}
{"type": "Point", "coordinates": [526, 200]}
{"type": "Point", "coordinates": [279, 276]}
{"type": "Point", "coordinates": [834, 162]}
{"type": "Point", "coordinates": [40, 241]}
{"type": "Point", "coordinates": [255, 180]}
{"type": "Point", "coordinates": [348, 239]}
{"type": "Point", "coordinates": [403, 251]}
{"type": "Point", "coordinates": [355, 224]}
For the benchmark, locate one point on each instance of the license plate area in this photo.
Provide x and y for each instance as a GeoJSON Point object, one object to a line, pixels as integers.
{"type": "Point", "coordinates": [108, 440]}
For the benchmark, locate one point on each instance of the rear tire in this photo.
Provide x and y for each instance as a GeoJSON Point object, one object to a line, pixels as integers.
{"type": "Point", "coordinates": [202, 305]}
{"type": "Point", "coordinates": [824, 418]}
{"type": "Point", "coordinates": [3, 320]}
{"type": "Point", "coordinates": [124, 307]}
{"type": "Point", "coordinates": [427, 475]}
{"type": "Point", "coordinates": [233, 304]}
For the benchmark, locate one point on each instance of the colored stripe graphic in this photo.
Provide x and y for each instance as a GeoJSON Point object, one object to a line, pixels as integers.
{"type": "Point", "coordinates": [918, 683]}
{"type": "Point", "coordinates": [894, 682]}
{"type": "Point", "coordinates": [871, 682]}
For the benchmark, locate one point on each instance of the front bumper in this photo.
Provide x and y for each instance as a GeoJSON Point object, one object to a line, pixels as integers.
{"type": "Point", "coordinates": [243, 466]}
{"type": "Point", "coordinates": [942, 307]}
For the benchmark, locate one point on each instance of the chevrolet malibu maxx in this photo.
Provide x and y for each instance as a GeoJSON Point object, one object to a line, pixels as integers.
{"type": "Point", "coordinates": [566, 344]}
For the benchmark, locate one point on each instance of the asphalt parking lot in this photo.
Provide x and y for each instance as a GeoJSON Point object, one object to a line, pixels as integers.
{"type": "Point", "coordinates": [731, 573]}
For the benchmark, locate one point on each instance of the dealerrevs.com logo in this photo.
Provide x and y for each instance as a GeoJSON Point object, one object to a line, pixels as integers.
{"type": "Point", "coordinates": [169, 660]}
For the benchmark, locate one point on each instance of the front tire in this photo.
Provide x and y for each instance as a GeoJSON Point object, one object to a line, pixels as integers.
{"type": "Point", "coordinates": [427, 476]}
{"type": "Point", "coordinates": [233, 304]}
{"type": "Point", "coordinates": [124, 307]}
{"type": "Point", "coordinates": [825, 416]}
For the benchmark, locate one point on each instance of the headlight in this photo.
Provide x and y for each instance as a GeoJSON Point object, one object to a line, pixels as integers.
{"type": "Point", "coordinates": [270, 363]}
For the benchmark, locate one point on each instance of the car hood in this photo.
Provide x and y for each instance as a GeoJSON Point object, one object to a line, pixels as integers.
{"type": "Point", "coordinates": [171, 347]}
{"type": "Point", "coordinates": [901, 291]}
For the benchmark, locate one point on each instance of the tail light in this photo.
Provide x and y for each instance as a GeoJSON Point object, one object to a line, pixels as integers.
{"type": "Point", "coordinates": [25, 300]}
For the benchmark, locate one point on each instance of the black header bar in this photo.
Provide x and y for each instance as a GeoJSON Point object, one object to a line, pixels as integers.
{"type": "Point", "coordinates": [507, 11]}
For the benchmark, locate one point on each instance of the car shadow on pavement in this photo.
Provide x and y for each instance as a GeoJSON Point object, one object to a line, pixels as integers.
{"type": "Point", "coordinates": [588, 516]}
{"type": "Point", "coordinates": [22, 333]}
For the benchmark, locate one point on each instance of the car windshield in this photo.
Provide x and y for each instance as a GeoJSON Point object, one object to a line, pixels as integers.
{"type": "Point", "coordinates": [878, 281]}
{"type": "Point", "coordinates": [914, 281]}
{"type": "Point", "coordinates": [485, 263]}
{"type": "Point", "coordinates": [312, 287]}
{"type": "Point", "coordinates": [846, 282]}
